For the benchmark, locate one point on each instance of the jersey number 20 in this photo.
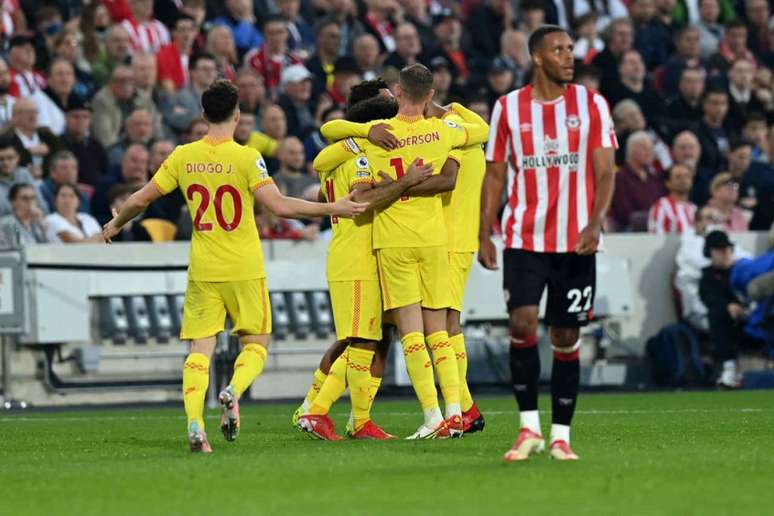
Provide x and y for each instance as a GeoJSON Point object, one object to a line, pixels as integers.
{"type": "Point", "coordinates": [204, 203]}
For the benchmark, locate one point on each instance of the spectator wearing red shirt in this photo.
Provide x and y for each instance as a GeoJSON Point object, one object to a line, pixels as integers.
{"type": "Point", "coordinates": [172, 60]}
{"type": "Point", "coordinates": [270, 59]}
{"type": "Point", "coordinates": [673, 213]}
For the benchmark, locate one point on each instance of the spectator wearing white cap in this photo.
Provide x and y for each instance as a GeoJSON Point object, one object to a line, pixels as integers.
{"type": "Point", "coordinates": [296, 84]}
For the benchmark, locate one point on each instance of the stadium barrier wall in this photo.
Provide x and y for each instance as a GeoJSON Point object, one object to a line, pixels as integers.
{"type": "Point", "coordinates": [62, 278]}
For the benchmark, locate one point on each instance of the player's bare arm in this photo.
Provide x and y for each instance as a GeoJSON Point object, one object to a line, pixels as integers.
{"type": "Point", "coordinates": [292, 208]}
{"type": "Point", "coordinates": [439, 183]}
{"type": "Point", "coordinates": [134, 205]}
{"type": "Point", "coordinates": [376, 132]}
{"type": "Point", "coordinates": [491, 193]}
{"type": "Point", "coordinates": [387, 191]}
{"type": "Point", "coordinates": [604, 184]}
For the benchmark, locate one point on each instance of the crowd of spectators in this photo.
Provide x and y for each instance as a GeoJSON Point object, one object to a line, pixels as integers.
{"type": "Point", "coordinates": [95, 94]}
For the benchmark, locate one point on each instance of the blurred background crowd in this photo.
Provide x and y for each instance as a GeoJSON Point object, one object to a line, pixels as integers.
{"type": "Point", "coordinates": [94, 96]}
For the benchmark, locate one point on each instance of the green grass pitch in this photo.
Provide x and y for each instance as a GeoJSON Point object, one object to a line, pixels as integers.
{"type": "Point", "coordinates": [691, 453]}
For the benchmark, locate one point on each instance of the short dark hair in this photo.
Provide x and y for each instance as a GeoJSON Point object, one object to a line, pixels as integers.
{"type": "Point", "coordinates": [668, 172]}
{"type": "Point", "coordinates": [324, 22]}
{"type": "Point", "coordinates": [713, 90]}
{"type": "Point", "coordinates": [536, 39]}
{"type": "Point", "coordinates": [219, 101]}
{"type": "Point", "coordinates": [119, 190]}
{"type": "Point", "coordinates": [327, 112]}
{"type": "Point", "coordinates": [532, 5]}
{"type": "Point", "coordinates": [586, 70]}
{"type": "Point", "coordinates": [272, 18]}
{"type": "Point", "coordinates": [366, 90]}
{"type": "Point", "coordinates": [71, 186]}
{"type": "Point", "coordinates": [736, 23]}
{"type": "Point", "coordinates": [183, 17]}
{"type": "Point", "coordinates": [416, 81]}
{"type": "Point", "coordinates": [16, 188]}
{"type": "Point", "coordinates": [199, 57]}
{"type": "Point", "coordinates": [375, 108]}
{"type": "Point", "coordinates": [6, 142]}
{"type": "Point", "coordinates": [737, 143]}
{"type": "Point", "coordinates": [755, 116]}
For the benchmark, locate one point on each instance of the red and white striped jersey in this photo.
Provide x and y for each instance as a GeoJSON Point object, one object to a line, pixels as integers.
{"type": "Point", "coordinates": [548, 147]}
{"type": "Point", "coordinates": [146, 37]}
{"type": "Point", "coordinates": [25, 84]}
{"type": "Point", "coordinates": [668, 215]}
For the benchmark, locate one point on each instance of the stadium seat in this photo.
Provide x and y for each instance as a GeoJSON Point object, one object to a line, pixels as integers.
{"type": "Point", "coordinates": [139, 321]}
{"type": "Point", "coordinates": [320, 308]}
{"type": "Point", "coordinates": [160, 230]}
{"type": "Point", "coordinates": [113, 320]}
{"type": "Point", "coordinates": [279, 315]}
{"type": "Point", "coordinates": [160, 317]}
{"type": "Point", "coordinates": [300, 318]}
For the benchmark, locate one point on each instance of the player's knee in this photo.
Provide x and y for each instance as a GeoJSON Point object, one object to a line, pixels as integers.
{"type": "Point", "coordinates": [523, 328]}
{"type": "Point", "coordinates": [453, 326]}
{"type": "Point", "coordinates": [564, 338]}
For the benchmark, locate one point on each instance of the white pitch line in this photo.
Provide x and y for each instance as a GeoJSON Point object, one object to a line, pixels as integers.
{"type": "Point", "coordinates": [622, 412]}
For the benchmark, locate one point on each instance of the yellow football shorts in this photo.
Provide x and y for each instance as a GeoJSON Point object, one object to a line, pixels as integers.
{"type": "Point", "coordinates": [357, 309]}
{"type": "Point", "coordinates": [207, 304]}
{"type": "Point", "coordinates": [459, 269]}
{"type": "Point", "coordinates": [411, 275]}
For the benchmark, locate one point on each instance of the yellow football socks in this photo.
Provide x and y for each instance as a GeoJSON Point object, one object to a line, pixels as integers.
{"type": "Point", "coordinates": [420, 369]}
{"type": "Point", "coordinates": [314, 390]}
{"type": "Point", "coordinates": [332, 388]}
{"type": "Point", "coordinates": [247, 367]}
{"type": "Point", "coordinates": [458, 344]}
{"type": "Point", "coordinates": [446, 367]}
{"type": "Point", "coordinates": [359, 380]}
{"type": "Point", "coordinates": [375, 384]}
{"type": "Point", "coordinates": [196, 378]}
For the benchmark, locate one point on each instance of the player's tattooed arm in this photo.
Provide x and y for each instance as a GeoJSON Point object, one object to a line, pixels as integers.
{"type": "Point", "coordinates": [603, 160]}
{"type": "Point", "coordinates": [292, 208]}
{"type": "Point", "coordinates": [439, 183]}
{"type": "Point", "coordinates": [387, 190]}
{"type": "Point", "coordinates": [376, 132]}
{"type": "Point", "coordinates": [134, 205]}
{"type": "Point", "coordinates": [491, 195]}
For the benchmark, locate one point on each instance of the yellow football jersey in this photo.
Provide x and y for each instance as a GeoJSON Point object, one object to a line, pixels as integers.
{"type": "Point", "coordinates": [462, 206]}
{"type": "Point", "coordinates": [350, 252]}
{"type": "Point", "coordinates": [411, 221]}
{"type": "Point", "coordinates": [217, 180]}
{"type": "Point", "coordinates": [263, 143]}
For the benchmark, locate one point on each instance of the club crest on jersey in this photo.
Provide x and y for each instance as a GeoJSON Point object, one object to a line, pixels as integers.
{"type": "Point", "coordinates": [572, 122]}
{"type": "Point", "coordinates": [362, 162]}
